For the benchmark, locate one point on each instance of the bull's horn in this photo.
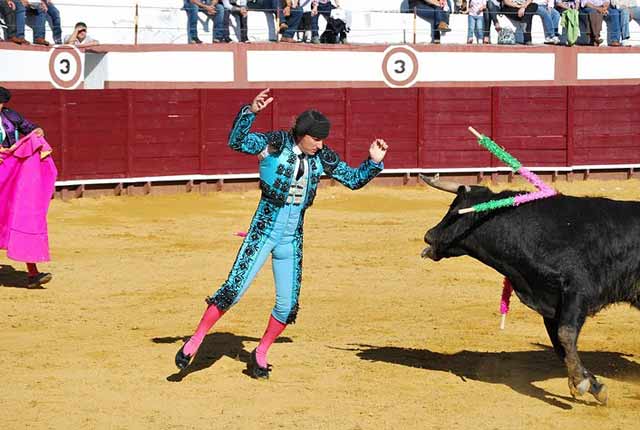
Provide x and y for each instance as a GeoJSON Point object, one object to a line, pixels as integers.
{"type": "Point", "coordinates": [448, 186]}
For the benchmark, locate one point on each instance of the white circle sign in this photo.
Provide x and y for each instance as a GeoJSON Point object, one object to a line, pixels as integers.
{"type": "Point", "coordinates": [66, 67]}
{"type": "Point", "coordinates": [400, 66]}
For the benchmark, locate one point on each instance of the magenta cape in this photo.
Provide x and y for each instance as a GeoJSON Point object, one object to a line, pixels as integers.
{"type": "Point", "coordinates": [27, 184]}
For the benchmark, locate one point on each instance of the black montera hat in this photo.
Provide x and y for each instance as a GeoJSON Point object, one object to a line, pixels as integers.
{"type": "Point", "coordinates": [5, 95]}
{"type": "Point", "coordinates": [313, 123]}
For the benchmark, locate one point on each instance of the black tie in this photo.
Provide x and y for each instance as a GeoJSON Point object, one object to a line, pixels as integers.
{"type": "Point", "coordinates": [300, 167]}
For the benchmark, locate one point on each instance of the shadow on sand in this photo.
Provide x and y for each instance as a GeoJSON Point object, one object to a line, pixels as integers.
{"type": "Point", "coordinates": [12, 278]}
{"type": "Point", "coordinates": [517, 370]}
{"type": "Point", "coordinates": [213, 348]}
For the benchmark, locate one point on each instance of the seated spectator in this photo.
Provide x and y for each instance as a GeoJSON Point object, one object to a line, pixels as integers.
{"type": "Point", "coordinates": [33, 8]}
{"type": "Point", "coordinates": [8, 12]}
{"type": "Point", "coordinates": [474, 20]}
{"type": "Point", "coordinates": [192, 7]}
{"type": "Point", "coordinates": [309, 9]}
{"type": "Point", "coordinates": [79, 37]}
{"type": "Point", "coordinates": [550, 20]}
{"type": "Point", "coordinates": [220, 30]}
{"type": "Point", "coordinates": [324, 8]}
{"type": "Point", "coordinates": [632, 7]}
{"type": "Point", "coordinates": [629, 10]}
{"type": "Point", "coordinates": [432, 11]}
{"type": "Point", "coordinates": [520, 13]}
{"type": "Point", "coordinates": [490, 15]}
{"type": "Point", "coordinates": [337, 29]}
{"type": "Point", "coordinates": [290, 17]}
{"type": "Point", "coordinates": [51, 11]}
{"type": "Point", "coordinates": [569, 20]}
{"type": "Point", "coordinates": [237, 8]}
{"type": "Point", "coordinates": [594, 11]}
{"type": "Point", "coordinates": [270, 9]}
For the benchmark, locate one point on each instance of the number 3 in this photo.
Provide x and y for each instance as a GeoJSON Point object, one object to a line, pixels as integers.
{"type": "Point", "coordinates": [401, 63]}
{"type": "Point", "coordinates": [67, 67]}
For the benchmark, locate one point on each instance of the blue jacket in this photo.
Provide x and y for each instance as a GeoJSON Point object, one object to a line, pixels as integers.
{"type": "Point", "coordinates": [279, 160]}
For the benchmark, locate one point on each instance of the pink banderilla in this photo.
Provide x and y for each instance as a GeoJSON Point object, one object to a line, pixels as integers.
{"type": "Point", "coordinates": [241, 233]}
{"type": "Point", "coordinates": [544, 190]}
{"type": "Point", "coordinates": [507, 289]}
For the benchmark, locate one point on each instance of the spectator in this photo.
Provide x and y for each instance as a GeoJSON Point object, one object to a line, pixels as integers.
{"type": "Point", "coordinates": [590, 9]}
{"type": "Point", "coordinates": [520, 12]}
{"type": "Point", "coordinates": [79, 37]}
{"type": "Point", "coordinates": [270, 9]}
{"type": "Point", "coordinates": [569, 20]}
{"type": "Point", "coordinates": [550, 20]}
{"type": "Point", "coordinates": [8, 12]}
{"type": "Point", "coordinates": [290, 17]}
{"type": "Point", "coordinates": [309, 10]}
{"type": "Point", "coordinates": [192, 7]}
{"type": "Point", "coordinates": [22, 6]}
{"type": "Point", "coordinates": [237, 8]}
{"type": "Point", "coordinates": [489, 15]}
{"type": "Point", "coordinates": [49, 9]}
{"type": "Point", "coordinates": [628, 10]}
{"type": "Point", "coordinates": [432, 11]}
{"type": "Point", "coordinates": [632, 8]}
{"type": "Point", "coordinates": [474, 20]}
{"type": "Point", "coordinates": [324, 8]}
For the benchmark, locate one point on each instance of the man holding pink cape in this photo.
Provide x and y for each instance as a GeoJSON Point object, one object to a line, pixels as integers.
{"type": "Point", "coordinates": [27, 182]}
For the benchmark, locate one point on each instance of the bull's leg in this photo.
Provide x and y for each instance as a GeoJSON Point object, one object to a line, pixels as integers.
{"type": "Point", "coordinates": [572, 318]}
{"type": "Point", "coordinates": [552, 330]}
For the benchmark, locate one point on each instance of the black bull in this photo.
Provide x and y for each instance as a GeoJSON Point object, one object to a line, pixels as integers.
{"type": "Point", "coordinates": [566, 257]}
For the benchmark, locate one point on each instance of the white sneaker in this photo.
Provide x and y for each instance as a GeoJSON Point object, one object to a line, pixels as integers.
{"type": "Point", "coordinates": [550, 41]}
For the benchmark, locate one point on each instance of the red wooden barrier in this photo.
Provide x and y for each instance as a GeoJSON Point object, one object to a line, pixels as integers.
{"type": "Point", "coordinates": [136, 133]}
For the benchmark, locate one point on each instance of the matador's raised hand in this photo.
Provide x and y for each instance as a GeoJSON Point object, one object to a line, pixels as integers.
{"type": "Point", "coordinates": [261, 101]}
{"type": "Point", "coordinates": [378, 150]}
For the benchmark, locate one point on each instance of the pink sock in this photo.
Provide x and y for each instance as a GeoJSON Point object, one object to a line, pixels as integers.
{"type": "Point", "coordinates": [211, 315]}
{"type": "Point", "coordinates": [274, 329]}
{"type": "Point", "coordinates": [32, 269]}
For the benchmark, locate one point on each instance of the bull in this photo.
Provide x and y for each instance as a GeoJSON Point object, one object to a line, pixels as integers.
{"type": "Point", "coordinates": [566, 257]}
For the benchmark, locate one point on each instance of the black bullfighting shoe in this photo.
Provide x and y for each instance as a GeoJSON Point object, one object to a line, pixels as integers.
{"type": "Point", "coordinates": [39, 279]}
{"type": "Point", "coordinates": [182, 359]}
{"type": "Point", "coordinates": [255, 370]}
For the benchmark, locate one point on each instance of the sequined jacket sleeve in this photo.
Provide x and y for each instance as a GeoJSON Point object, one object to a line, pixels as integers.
{"type": "Point", "coordinates": [241, 139]}
{"type": "Point", "coordinates": [348, 176]}
{"type": "Point", "coordinates": [23, 125]}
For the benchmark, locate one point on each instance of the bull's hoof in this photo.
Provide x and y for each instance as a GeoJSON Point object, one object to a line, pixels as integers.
{"type": "Point", "coordinates": [580, 389]}
{"type": "Point", "coordinates": [600, 392]}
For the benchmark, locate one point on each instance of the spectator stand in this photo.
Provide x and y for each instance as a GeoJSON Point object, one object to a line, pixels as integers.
{"type": "Point", "coordinates": [164, 22]}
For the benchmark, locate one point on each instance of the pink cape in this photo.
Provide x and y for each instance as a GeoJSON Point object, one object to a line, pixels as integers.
{"type": "Point", "coordinates": [27, 184]}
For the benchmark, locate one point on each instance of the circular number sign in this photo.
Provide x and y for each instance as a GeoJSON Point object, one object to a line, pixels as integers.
{"type": "Point", "coordinates": [66, 67]}
{"type": "Point", "coordinates": [400, 66]}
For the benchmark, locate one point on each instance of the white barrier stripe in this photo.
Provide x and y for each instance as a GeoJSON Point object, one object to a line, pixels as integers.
{"type": "Point", "coordinates": [179, 178]}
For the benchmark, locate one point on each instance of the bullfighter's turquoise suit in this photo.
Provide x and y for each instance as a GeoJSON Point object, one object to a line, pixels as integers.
{"type": "Point", "coordinates": [289, 180]}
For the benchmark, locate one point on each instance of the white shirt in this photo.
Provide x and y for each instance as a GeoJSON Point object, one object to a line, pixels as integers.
{"type": "Point", "coordinates": [298, 151]}
{"type": "Point", "coordinates": [3, 133]}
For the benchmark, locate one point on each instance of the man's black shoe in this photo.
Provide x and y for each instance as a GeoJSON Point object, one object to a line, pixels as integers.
{"type": "Point", "coordinates": [255, 370]}
{"type": "Point", "coordinates": [39, 279]}
{"type": "Point", "coordinates": [182, 359]}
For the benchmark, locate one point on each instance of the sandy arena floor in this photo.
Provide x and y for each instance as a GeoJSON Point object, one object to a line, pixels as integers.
{"type": "Point", "coordinates": [384, 339]}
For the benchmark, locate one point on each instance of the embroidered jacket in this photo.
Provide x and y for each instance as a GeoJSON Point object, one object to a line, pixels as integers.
{"type": "Point", "coordinates": [278, 162]}
{"type": "Point", "coordinates": [12, 120]}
